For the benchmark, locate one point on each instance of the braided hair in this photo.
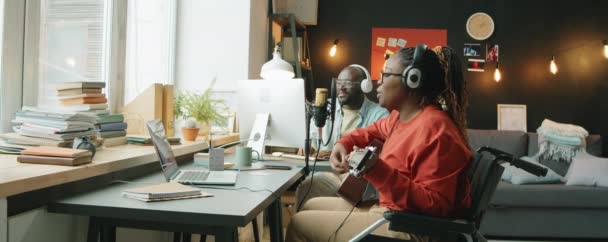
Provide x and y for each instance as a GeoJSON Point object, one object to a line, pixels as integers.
{"type": "Point", "coordinates": [443, 84]}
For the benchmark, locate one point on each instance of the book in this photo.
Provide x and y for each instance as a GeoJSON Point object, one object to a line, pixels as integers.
{"type": "Point", "coordinates": [82, 95]}
{"type": "Point", "coordinates": [111, 126]}
{"type": "Point", "coordinates": [17, 139]}
{"type": "Point", "coordinates": [110, 118]}
{"type": "Point", "coordinates": [52, 160]}
{"type": "Point", "coordinates": [162, 191]}
{"type": "Point", "coordinates": [112, 134]}
{"type": "Point", "coordinates": [56, 136]}
{"type": "Point", "coordinates": [84, 107]}
{"type": "Point", "coordinates": [83, 100]}
{"type": "Point", "coordinates": [48, 114]}
{"type": "Point", "coordinates": [10, 150]}
{"type": "Point", "coordinates": [111, 142]}
{"type": "Point", "coordinates": [74, 91]}
{"type": "Point", "coordinates": [83, 85]}
{"type": "Point", "coordinates": [56, 152]}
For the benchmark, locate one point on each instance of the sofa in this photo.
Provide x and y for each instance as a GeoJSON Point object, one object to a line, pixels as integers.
{"type": "Point", "coordinates": [541, 211]}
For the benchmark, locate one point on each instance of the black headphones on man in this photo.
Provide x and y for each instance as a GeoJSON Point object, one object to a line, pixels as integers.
{"type": "Point", "coordinates": [412, 75]}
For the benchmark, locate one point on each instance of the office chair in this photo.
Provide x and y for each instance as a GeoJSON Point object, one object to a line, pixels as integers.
{"type": "Point", "coordinates": [484, 175]}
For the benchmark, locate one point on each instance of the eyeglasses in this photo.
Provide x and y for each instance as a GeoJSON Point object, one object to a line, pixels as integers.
{"type": "Point", "coordinates": [387, 74]}
{"type": "Point", "coordinates": [346, 83]}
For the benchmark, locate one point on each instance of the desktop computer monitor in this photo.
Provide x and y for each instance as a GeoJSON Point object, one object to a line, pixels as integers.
{"type": "Point", "coordinates": [285, 102]}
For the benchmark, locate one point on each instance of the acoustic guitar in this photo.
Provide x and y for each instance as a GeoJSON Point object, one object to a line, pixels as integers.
{"type": "Point", "coordinates": [356, 189]}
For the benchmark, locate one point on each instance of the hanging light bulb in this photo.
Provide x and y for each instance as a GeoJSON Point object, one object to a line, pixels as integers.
{"type": "Point", "coordinates": [606, 49]}
{"type": "Point", "coordinates": [553, 66]}
{"type": "Point", "coordinates": [497, 75]}
{"type": "Point", "coordinates": [332, 51]}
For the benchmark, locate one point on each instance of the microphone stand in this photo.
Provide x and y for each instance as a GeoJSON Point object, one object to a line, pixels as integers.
{"type": "Point", "coordinates": [309, 111]}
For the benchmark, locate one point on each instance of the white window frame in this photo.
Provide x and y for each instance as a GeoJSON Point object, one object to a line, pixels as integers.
{"type": "Point", "coordinates": [11, 74]}
{"type": "Point", "coordinates": [173, 4]}
{"type": "Point", "coordinates": [115, 44]}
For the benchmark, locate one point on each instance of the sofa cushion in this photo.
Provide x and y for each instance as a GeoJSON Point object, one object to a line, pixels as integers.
{"type": "Point", "coordinates": [513, 142]}
{"type": "Point", "coordinates": [549, 195]}
{"type": "Point", "coordinates": [594, 144]}
{"type": "Point", "coordinates": [587, 170]}
{"type": "Point", "coordinates": [518, 176]}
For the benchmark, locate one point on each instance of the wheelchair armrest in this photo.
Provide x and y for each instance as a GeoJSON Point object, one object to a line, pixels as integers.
{"type": "Point", "coordinates": [421, 224]}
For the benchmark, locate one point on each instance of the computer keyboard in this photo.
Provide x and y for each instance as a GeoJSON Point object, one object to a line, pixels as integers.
{"type": "Point", "coordinates": [194, 175]}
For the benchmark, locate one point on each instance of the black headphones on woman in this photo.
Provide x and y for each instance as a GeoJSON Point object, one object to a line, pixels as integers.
{"type": "Point", "coordinates": [412, 75]}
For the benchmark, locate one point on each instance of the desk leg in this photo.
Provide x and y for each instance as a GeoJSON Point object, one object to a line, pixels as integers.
{"type": "Point", "coordinates": [93, 233]}
{"type": "Point", "coordinates": [227, 234]}
{"type": "Point", "coordinates": [3, 220]}
{"type": "Point", "coordinates": [276, 221]}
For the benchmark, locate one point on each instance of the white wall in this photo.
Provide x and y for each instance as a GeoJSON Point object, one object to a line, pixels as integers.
{"type": "Point", "coordinates": [212, 41]}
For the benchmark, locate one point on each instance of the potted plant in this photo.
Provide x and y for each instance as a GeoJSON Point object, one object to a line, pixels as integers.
{"type": "Point", "coordinates": [199, 111]}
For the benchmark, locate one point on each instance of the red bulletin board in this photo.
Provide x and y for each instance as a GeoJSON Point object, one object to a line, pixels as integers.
{"type": "Point", "coordinates": [395, 38]}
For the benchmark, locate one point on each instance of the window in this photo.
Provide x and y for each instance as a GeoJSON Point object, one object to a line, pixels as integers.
{"type": "Point", "coordinates": [73, 44]}
{"type": "Point", "coordinates": [2, 94]}
{"type": "Point", "coordinates": [150, 45]}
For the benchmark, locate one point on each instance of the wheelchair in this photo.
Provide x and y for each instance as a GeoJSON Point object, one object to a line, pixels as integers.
{"type": "Point", "coordinates": [484, 175]}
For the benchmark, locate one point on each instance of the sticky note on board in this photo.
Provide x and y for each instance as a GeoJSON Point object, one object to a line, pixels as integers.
{"type": "Point", "coordinates": [380, 41]}
{"type": "Point", "coordinates": [401, 43]}
{"type": "Point", "coordinates": [392, 42]}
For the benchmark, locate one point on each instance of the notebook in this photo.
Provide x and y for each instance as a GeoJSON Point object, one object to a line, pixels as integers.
{"type": "Point", "coordinates": [169, 165]}
{"type": "Point", "coordinates": [164, 191]}
{"type": "Point", "coordinates": [56, 152]}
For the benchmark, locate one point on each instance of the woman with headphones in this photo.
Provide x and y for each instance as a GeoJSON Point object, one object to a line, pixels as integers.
{"type": "Point", "coordinates": [423, 164]}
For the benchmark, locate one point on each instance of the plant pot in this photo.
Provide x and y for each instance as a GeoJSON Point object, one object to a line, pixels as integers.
{"type": "Point", "coordinates": [205, 129]}
{"type": "Point", "coordinates": [190, 133]}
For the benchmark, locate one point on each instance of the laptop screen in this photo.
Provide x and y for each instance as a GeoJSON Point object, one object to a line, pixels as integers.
{"type": "Point", "coordinates": [163, 149]}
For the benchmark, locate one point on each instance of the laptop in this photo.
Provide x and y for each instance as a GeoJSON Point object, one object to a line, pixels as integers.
{"type": "Point", "coordinates": [169, 164]}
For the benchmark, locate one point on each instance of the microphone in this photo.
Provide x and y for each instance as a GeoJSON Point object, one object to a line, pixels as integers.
{"type": "Point", "coordinates": [320, 107]}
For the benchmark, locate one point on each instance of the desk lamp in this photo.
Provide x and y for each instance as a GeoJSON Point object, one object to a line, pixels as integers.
{"type": "Point", "coordinates": [277, 68]}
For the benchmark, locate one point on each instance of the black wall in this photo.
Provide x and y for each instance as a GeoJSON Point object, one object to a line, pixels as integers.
{"type": "Point", "coordinates": [528, 32]}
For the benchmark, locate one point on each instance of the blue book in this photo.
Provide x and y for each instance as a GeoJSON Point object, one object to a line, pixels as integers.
{"type": "Point", "coordinates": [111, 127]}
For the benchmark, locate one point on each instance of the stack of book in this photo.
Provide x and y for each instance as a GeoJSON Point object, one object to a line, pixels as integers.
{"type": "Point", "coordinates": [164, 191]}
{"type": "Point", "coordinates": [38, 127]}
{"type": "Point", "coordinates": [55, 156]}
{"type": "Point", "coordinates": [88, 97]}
{"type": "Point", "coordinates": [82, 97]}
{"type": "Point", "coordinates": [147, 140]}
{"type": "Point", "coordinates": [112, 128]}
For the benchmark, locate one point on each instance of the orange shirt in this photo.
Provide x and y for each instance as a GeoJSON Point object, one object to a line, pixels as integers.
{"type": "Point", "coordinates": [423, 164]}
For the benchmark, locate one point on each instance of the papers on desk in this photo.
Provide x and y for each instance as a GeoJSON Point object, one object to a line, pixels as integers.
{"type": "Point", "coordinates": [164, 191]}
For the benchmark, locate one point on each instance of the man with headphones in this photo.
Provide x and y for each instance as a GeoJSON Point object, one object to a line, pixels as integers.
{"type": "Point", "coordinates": [354, 111]}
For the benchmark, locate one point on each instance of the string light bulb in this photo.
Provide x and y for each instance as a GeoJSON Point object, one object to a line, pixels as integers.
{"type": "Point", "coordinates": [332, 51]}
{"type": "Point", "coordinates": [553, 66]}
{"type": "Point", "coordinates": [497, 75]}
{"type": "Point", "coordinates": [606, 49]}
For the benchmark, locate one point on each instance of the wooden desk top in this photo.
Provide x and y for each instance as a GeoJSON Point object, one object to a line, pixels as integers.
{"type": "Point", "coordinates": [16, 178]}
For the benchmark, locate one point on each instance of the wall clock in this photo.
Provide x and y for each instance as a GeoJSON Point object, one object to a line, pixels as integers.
{"type": "Point", "coordinates": [480, 26]}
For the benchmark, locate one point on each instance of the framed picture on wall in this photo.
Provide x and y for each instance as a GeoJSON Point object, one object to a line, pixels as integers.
{"type": "Point", "coordinates": [512, 117]}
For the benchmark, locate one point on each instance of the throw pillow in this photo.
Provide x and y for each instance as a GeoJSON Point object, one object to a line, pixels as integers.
{"type": "Point", "coordinates": [558, 166]}
{"type": "Point", "coordinates": [588, 170]}
{"type": "Point", "coordinates": [518, 176]}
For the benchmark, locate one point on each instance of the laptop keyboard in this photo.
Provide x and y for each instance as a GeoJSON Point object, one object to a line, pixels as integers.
{"type": "Point", "coordinates": [194, 175]}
